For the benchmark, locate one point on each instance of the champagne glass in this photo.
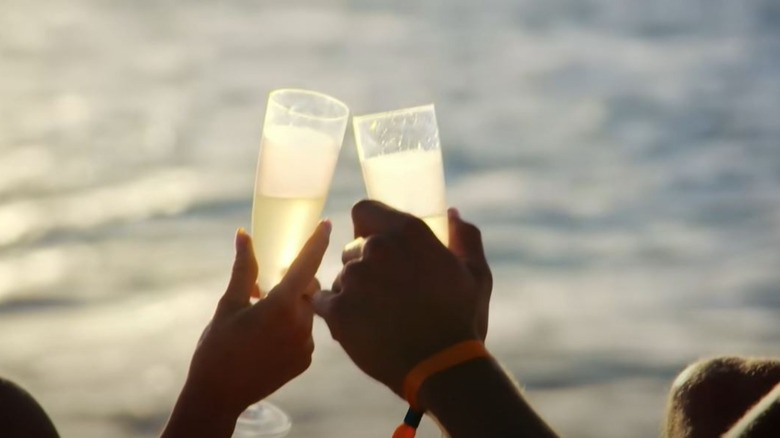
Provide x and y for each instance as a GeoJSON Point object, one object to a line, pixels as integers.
{"type": "Point", "coordinates": [400, 155]}
{"type": "Point", "coordinates": [301, 140]}
{"type": "Point", "coordinates": [302, 136]}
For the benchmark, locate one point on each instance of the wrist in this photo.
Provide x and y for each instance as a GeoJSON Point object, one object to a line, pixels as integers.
{"type": "Point", "coordinates": [197, 414]}
{"type": "Point", "coordinates": [438, 362]}
{"type": "Point", "coordinates": [478, 398]}
{"type": "Point", "coordinates": [412, 355]}
{"type": "Point", "coordinates": [436, 389]}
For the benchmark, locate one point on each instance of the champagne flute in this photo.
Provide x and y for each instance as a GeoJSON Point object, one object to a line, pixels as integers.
{"type": "Point", "coordinates": [302, 136]}
{"type": "Point", "coordinates": [301, 140]}
{"type": "Point", "coordinates": [400, 155]}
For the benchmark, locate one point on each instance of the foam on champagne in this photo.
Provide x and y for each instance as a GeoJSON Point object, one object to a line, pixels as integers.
{"type": "Point", "coordinates": [295, 162]}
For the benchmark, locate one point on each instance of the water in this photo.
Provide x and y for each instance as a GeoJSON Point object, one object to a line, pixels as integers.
{"type": "Point", "coordinates": [621, 158]}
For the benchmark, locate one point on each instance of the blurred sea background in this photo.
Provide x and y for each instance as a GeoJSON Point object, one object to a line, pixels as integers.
{"type": "Point", "coordinates": [621, 157]}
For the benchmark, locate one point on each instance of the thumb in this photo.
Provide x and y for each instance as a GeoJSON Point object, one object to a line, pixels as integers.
{"type": "Point", "coordinates": [322, 301]}
{"type": "Point", "coordinates": [466, 243]}
{"type": "Point", "coordinates": [324, 304]}
{"type": "Point", "coordinates": [243, 277]}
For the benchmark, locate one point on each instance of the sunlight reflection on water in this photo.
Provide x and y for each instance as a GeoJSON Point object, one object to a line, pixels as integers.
{"type": "Point", "coordinates": [620, 157]}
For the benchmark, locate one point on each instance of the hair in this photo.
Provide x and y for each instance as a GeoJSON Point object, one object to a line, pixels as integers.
{"type": "Point", "coordinates": [21, 416]}
{"type": "Point", "coordinates": [711, 395]}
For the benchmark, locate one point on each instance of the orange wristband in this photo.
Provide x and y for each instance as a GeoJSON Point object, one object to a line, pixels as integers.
{"type": "Point", "coordinates": [447, 358]}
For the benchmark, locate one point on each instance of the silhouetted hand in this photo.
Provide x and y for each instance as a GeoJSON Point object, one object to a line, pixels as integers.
{"type": "Point", "coordinates": [248, 351]}
{"type": "Point", "coordinates": [405, 296]}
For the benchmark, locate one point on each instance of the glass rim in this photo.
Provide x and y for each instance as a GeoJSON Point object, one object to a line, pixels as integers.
{"type": "Point", "coordinates": [302, 91]}
{"type": "Point", "coordinates": [385, 114]}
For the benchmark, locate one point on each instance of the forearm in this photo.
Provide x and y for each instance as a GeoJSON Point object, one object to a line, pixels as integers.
{"type": "Point", "coordinates": [195, 416]}
{"type": "Point", "coordinates": [477, 399]}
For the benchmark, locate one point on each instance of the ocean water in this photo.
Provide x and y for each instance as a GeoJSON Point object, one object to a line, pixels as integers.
{"type": "Point", "coordinates": [621, 157]}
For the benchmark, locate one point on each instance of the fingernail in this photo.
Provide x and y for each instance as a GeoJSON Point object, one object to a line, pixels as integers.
{"type": "Point", "coordinates": [241, 240]}
{"type": "Point", "coordinates": [453, 213]}
{"type": "Point", "coordinates": [327, 226]}
{"type": "Point", "coordinates": [353, 250]}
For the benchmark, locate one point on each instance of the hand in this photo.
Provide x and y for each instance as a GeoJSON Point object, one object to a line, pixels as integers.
{"type": "Point", "coordinates": [248, 351]}
{"type": "Point", "coordinates": [407, 296]}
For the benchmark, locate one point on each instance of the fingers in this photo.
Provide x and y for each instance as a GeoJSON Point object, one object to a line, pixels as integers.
{"type": "Point", "coordinates": [373, 248]}
{"type": "Point", "coordinates": [349, 285]}
{"type": "Point", "coordinates": [312, 288]}
{"type": "Point", "coordinates": [256, 292]}
{"type": "Point", "coordinates": [373, 217]}
{"type": "Point", "coordinates": [329, 306]}
{"type": "Point", "coordinates": [322, 301]}
{"type": "Point", "coordinates": [360, 276]}
{"type": "Point", "coordinates": [352, 250]}
{"type": "Point", "coordinates": [304, 267]}
{"type": "Point", "coordinates": [466, 243]}
{"type": "Point", "coordinates": [465, 238]}
{"type": "Point", "coordinates": [243, 277]}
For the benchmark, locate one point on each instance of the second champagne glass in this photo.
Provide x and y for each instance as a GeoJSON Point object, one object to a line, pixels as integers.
{"type": "Point", "coordinates": [400, 155]}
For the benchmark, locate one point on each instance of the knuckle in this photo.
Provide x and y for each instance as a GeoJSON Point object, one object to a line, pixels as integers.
{"type": "Point", "coordinates": [282, 311]}
{"type": "Point", "coordinates": [470, 234]}
{"type": "Point", "coordinates": [359, 207]}
{"type": "Point", "coordinates": [488, 279]}
{"type": "Point", "coordinates": [306, 361]}
{"type": "Point", "coordinates": [352, 250]}
{"type": "Point", "coordinates": [336, 333]}
{"type": "Point", "coordinates": [361, 204]}
{"type": "Point", "coordinates": [308, 347]}
{"type": "Point", "coordinates": [243, 264]}
{"type": "Point", "coordinates": [696, 385]}
{"type": "Point", "coordinates": [239, 267]}
{"type": "Point", "coordinates": [351, 272]}
{"type": "Point", "coordinates": [285, 309]}
{"type": "Point", "coordinates": [412, 226]}
{"type": "Point", "coordinates": [226, 303]}
{"type": "Point", "coordinates": [303, 363]}
{"type": "Point", "coordinates": [312, 289]}
{"type": "Point", "coordinates": [475, 232]}
{"type": "Point", "coordinates": [375, 245]}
